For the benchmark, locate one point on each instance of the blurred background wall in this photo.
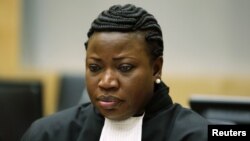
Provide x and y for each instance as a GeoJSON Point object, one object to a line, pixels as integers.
{"type": "Point", "coordinates": [206, 43]}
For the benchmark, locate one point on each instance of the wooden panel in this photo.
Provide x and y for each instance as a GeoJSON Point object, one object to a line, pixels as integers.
{"type": "Point", "coordinates": [182, 87]}
{"type": "Point", "coordinates": [9, 35]}
{"type": "Point", "coordinates": [10, 64]}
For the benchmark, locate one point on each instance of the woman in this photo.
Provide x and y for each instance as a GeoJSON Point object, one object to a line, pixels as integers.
{"type": "Point", "coordinates": [123, 76]}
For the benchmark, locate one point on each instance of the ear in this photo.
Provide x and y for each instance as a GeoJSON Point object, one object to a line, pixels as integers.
{"type": "Point", "coordinates": [157, 67]}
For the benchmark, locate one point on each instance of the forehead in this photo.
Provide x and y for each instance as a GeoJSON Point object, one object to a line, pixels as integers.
{"type": "Point", "coordinates": [117, 41]}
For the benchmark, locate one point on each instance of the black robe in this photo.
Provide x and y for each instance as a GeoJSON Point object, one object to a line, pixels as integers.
{"type": "Point", "coordinates": [163, 121]}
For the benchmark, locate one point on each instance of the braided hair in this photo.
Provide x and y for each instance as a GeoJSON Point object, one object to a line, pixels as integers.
{"type": "Point", "coordinates": [129, 18]}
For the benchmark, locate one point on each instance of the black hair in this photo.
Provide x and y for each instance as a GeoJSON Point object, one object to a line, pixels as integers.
{"type": "Point", "coordinates": [129, 18]}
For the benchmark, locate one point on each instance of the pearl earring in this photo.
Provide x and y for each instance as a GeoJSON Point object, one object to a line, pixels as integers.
{"type": "Point", "coordinates": [158, 81]}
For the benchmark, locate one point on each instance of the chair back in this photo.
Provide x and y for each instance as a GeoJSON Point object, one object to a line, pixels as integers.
{"type": "Point", "coordinates": [20, 105]}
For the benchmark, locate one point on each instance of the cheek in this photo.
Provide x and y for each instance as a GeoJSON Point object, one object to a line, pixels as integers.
{"type": "Point", "coordinates": [91, 84]}
{"type": "Point", "coordinates": [90, 78]}
{"type": "Point", "coordinates": [139, 89]}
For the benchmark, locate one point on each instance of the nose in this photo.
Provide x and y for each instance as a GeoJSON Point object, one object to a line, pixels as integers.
{"type": "Point", "coordinates": [108, 81]}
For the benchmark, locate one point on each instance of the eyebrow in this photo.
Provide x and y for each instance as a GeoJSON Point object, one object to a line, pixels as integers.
{"type": "Point", "coordinates": [114, 58]}
{"type": "Point", "coordinates": [94, 58]}
{"type": "Point", "coordinates": [122, 58]}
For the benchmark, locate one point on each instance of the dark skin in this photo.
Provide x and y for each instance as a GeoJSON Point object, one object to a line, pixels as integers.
{"type": "Point", "coordinates": [120, 76]}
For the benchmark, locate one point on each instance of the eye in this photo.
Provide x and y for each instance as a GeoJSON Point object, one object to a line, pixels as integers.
{"type": "Point", "coordinates": [125, 67]}
{"type": "Point", "coordinates": [94, 67]}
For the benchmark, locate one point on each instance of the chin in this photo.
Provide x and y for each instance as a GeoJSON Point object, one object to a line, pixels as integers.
{"type": "Point", "coordinates": [114, 116]}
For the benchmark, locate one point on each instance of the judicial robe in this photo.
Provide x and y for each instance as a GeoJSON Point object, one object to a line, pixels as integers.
{"type": "Point", "coordinates": [163, 121]}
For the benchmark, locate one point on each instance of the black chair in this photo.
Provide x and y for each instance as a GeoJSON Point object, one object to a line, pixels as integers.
{"type": "Point", "coordinates": [222, 109]}
{"type": "Point", "coordinates": [71, 91]}
{"type": "Point", "coordinates": [20, 105]}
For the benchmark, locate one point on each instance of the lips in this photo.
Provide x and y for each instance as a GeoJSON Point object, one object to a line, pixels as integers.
{"type": "Point", "coordinates": [108, 102]}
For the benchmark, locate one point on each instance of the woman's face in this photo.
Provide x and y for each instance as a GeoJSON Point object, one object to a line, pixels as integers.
{"type": "Point", "coordinates": [119, 75]}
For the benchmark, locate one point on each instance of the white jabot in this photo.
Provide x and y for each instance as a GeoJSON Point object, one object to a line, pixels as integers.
{"type": "Point", "coordinates": [126, 130]}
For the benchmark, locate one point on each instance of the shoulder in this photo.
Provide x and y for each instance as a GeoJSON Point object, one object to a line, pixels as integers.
{"type": "Point", "coordinates": [58, 124]}
{"type": "Point", "coordinates": [61, 118]}
{"type": "Point", "coordinates": [187, 115]}
{"type": "Point", "coordinates": [189, 124]}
